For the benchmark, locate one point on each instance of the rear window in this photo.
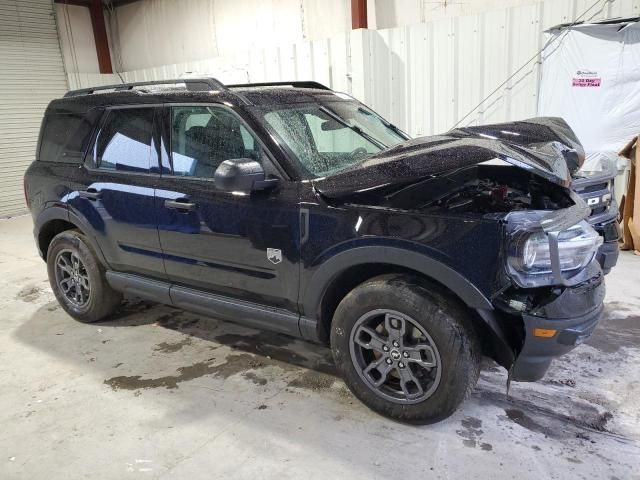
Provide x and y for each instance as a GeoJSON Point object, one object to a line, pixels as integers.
{"type": "Point", "coordinates": [66, 136]}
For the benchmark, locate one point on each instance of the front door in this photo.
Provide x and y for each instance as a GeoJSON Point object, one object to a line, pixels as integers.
{"type": "Point", "coordinates": [240, 245]}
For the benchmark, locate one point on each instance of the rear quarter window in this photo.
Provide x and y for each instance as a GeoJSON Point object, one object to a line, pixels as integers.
{"type": "Point", "coordinates": [66, 136]}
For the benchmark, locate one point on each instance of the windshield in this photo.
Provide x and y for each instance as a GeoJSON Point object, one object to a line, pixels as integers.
{"type": "Point", "coordinates": [331, 137]}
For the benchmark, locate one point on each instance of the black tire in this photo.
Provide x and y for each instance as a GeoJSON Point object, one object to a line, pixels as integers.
{"type": "Point", "coordinates": [95, 302]}
{"type": "Point", "coordinates": [435, 319]}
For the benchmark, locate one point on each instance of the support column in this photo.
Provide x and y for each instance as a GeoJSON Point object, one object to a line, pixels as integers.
{"type": "Point", "coordinates": [358, 14]}
{"type": "Point", "coordinates": [100, 36]}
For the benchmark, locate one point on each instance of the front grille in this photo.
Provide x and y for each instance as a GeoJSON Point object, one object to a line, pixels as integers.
{"type": "Point", "coordinates": [593, 188]}
{"type": "Point", "coordinates": [597, 192]}
{"type": "Point", "coordinates": [598, 197]}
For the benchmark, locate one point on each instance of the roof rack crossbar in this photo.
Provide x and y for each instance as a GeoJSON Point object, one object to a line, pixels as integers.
{"type": "Point", "coordinates": [296, 84]}
{"type": "Point", "coordinates": [192, 84]}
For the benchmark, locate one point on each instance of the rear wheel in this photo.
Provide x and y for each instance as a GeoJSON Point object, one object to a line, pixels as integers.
{"type": "Point", "coordinates": [78, 279]}
{"type": "Point", "coordinates": [405, 350]}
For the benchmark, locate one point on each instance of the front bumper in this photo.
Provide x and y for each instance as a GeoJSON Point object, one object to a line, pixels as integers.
{"type": "Point", "coordinates": [574, 315]}
{"type": "Point", "coordinates": [607, 256]}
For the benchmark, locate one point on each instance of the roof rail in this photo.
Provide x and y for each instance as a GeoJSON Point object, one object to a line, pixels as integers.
{"type": "Point", "coordinates": [296, 84]}
{"type": "Point", "coordinates": [192, 84]}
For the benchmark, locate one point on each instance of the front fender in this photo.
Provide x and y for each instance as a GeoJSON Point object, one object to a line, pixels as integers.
{"type": "Point", "coordinates": [331, 268]}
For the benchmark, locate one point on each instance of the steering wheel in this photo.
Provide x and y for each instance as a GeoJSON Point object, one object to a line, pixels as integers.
{"type": "Point", "coordinates": [359, 152]}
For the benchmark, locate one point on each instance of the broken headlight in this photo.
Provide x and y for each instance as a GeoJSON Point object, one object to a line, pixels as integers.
{"type": "Point", "coordinates": [536, 257]}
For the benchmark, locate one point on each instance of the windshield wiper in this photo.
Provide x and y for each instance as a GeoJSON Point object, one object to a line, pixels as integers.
{"type": "Point", "coordinates": [386, 123]}
{"type": "Point", "coordinates": [358, 130]}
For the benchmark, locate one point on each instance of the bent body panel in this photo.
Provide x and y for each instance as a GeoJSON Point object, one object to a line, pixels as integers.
{"type": "Point", "coordinates": [546, 147]}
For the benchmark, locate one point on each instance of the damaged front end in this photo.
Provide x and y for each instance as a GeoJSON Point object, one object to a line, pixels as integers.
{"type": "Point", "coordinates": [557, 290]}
{"type": "Point", "coordinates": [548, 288]}
{"type": "Point", "coordinates": [545, 285]}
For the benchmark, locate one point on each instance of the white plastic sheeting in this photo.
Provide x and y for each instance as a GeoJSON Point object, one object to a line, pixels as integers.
{"type": "Point", "coordinates": [592, 79]}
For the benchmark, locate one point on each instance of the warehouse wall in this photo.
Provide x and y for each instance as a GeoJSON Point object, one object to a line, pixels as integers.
{"type": "Point", "coordinates": [152, 33]}
{"type": "Point", "coordinates": [31, 75]}
{"type": "Point", "coordinates": [157, 32]}
{"type": "Point", "coordinates": [76, 38]}
{"type": "Point", "coordinates": [397, 13]}
{"type": "Point", "coordinates": [149, 33]}
{"type": "Point", "coordinates": [145, 34]}
{"type": "Point", "coordinates": [424, 77]}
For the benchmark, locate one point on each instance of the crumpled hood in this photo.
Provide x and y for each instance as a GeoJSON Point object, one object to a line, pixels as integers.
{"type": "Point", "coordinates": [545, 146]}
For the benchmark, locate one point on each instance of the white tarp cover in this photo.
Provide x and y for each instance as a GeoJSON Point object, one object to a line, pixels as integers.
{"type": "Point", "coordinates": [591, 78]}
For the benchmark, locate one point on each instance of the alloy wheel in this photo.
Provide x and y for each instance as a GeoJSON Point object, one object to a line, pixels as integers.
{"type": "Point", "coordinates": [72, 278]}
{"type": "Point", "coordinates": [395, 356]}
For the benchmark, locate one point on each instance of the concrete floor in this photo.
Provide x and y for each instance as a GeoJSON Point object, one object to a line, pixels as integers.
{"type": "Point", "coordinates": [158, 393]}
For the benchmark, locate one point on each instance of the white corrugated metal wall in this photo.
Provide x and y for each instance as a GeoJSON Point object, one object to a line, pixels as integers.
{"type": "Point", "coordinates": [424, 77]}
{"type": "Point", "coordinates": [429, 77]}
{"type": "Point", "coordinates": [31, 74]}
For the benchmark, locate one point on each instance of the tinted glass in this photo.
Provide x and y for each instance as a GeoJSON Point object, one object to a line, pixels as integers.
{"type": "Point", "coordinates": [124, 141]}
{"type": "Point", "coordinates": [203, 137]}
{"type": "Point", "coordinates": [65, 136]}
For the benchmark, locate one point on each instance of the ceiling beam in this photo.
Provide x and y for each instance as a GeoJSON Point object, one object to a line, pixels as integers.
{"type": "Point", "coordinates": [119, 3]}
{"type": "Point", "coordinates": [86, 3]}
{"type": "Point", "coordinates": [77, 3]}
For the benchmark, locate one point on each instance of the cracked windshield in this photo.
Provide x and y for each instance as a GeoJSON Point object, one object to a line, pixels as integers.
{"type": "Point", "coordinates": [335, 136]}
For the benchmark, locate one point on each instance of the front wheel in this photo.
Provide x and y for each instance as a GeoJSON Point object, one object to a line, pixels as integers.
{"type": "Point", "coordinates": [405, 350]}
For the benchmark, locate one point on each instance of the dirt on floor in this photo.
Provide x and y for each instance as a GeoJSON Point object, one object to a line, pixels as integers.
{"type": "Point", "coordinates": [162, 393]}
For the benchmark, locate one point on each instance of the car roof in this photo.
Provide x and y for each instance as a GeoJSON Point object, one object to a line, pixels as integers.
{"type": "Point", "coordinates": [286, 95]}
{"type": "Point", "coordinates": [232, 95]}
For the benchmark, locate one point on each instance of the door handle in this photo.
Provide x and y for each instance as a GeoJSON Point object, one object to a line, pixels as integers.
{"type": "Point", "coordinates": [90, 193]}
{"type": "Point", "coordinates": [180, 204]}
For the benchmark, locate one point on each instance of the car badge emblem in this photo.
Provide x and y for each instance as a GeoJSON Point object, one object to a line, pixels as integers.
{"type": "Point", "coordinates": [274, 255]}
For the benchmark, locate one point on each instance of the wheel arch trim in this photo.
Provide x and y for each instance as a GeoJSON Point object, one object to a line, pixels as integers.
{"type": "Point", "coordinates": [328, 271]}
{"type": "Point", "coordinates": [58, 212]}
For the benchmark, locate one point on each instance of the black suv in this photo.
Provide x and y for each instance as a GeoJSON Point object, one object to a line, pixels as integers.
{"type": "Point", "coordinates": [297, 209]}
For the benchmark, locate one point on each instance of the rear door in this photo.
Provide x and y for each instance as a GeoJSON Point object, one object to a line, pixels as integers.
{"type": "Point", "coordinates": [114, 190]}
{"type": "Point", "coordinates": [231, 243]}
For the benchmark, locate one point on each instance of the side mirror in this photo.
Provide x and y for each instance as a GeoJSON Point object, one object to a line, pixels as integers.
{"type": "Point", "coordinates": [242, 175]}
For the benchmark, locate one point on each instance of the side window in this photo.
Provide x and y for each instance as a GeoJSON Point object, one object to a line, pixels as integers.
{"type": "Point", "coordinates": [124, 141]}
{"type": "Point", "coordinates": [202, 137]}
{"type": "Point", "coordinates": [65, 136]}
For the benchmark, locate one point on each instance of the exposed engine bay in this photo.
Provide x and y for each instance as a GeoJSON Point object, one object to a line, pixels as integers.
{"type": "Point", "coordinates": [481, 189]}
{"type": "Point", "coordinates": [487, 195]}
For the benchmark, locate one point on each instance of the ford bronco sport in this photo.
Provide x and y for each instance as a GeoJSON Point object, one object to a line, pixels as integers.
{"type": "Point", "coordinates": [293, 208]}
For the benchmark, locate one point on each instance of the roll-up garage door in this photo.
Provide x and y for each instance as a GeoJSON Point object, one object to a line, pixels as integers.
{"type": "Point", "coordinates": [31, 74]}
